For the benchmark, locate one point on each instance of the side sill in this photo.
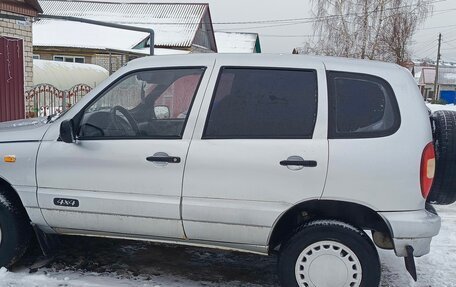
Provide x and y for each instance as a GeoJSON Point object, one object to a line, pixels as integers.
{"type": "Point", "coordinates": [255, 249]}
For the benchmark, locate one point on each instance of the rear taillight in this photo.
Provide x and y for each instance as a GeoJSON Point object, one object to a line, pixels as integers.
{"type": "Point", "coordinates": [427, 169]}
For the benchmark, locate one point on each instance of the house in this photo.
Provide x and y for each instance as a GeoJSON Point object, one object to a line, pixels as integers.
{"type": "Point", "coordinates": [179, 29]}
{"type": "Point", "coordinates": [236, 42]}
{"type": "Point", "coordinates": [16, 67]}
{"type": "Point", "coordinates": [426, 82]}
{"type": "Point", "coordinates": [446, 86]}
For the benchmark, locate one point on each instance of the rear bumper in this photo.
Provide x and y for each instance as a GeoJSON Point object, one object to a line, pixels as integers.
{"type": "Point", "coordinates": [413, 228]}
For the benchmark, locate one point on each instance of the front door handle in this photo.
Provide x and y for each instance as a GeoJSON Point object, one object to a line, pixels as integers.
{"type": "Point", "coordinates": [306, 163]}
{"type": "Point", "coordinates": [164, 159]}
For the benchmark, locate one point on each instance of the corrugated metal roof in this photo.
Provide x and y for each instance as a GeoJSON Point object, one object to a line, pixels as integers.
{"type": "Point", "coordinates": [175, 25]}
{"type": "Point", "coordinates": [236, 42]}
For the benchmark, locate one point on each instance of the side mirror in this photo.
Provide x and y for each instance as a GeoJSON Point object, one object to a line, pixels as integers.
{"type": "Point", "coordinates": [67, 131]}
{"type": "Point", "coordinates": [161, 112]}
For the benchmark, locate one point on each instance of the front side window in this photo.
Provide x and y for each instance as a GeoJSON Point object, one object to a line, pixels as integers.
{"type": "Point", "coordinates": [146, 104]}
{"type": "Point", "coordinates": [252, 103]}
{"type": "Point", "coordinates": [361, 106]}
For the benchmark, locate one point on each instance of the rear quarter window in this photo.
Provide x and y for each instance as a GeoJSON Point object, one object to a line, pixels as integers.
{"type": "Point", "coordinates": [361, 106]}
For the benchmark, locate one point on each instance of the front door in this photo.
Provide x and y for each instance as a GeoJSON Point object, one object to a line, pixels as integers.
{"type": "Point", "coordinates": [260, 147]}
{"type": "Point", "coordinates": [123, 176]}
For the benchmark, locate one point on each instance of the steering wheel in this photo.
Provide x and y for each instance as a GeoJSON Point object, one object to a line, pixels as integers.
{"type": "Point", "coordinates": [131, 121]}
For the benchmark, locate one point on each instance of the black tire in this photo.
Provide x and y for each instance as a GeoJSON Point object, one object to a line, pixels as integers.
{"type": "Point", "coordinates": [15, 227]}
{"type": "Point", "coordinates": [443, 190]}
{"type": "Point", "coordinates": [323, 230]}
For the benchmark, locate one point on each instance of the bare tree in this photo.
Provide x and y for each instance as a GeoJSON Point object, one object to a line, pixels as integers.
{"type": "Point", "coordinates": [400, 27]}
{"type": "Point", "coordinates": [372, 29]}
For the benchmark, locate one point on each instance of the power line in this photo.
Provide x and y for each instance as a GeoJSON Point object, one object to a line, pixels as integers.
{"type": "Point", "coordinates": [446, 42]}
{"type": "Point", "coordinates": [424, 45]}
{"type": "Point", "coordinates": [450, 59]}
{"type": "Point", "coordinates": [428, 55]}
{"type": "Point", "coordinates": [451, 40]}
{"type": "Point", "coordinates": [289, 36]}
{"type": "Point", "coordinates": [436, 27]}
{"type": "Point", "coordinates": [431, 48]}
{"type": "Point", "coordinates": [290, 21]}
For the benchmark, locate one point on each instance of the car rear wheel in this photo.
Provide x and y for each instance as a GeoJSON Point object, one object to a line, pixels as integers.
{"type": "Point", "coordinates": [329, 253]}
{"type": "Point", "coordinates": [443, 190]}
{"type": "Point", "coordinates": [15, 229]}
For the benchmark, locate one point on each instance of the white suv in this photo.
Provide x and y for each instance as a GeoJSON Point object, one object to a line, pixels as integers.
{"type": "Point", "coordinates": [267, 154]}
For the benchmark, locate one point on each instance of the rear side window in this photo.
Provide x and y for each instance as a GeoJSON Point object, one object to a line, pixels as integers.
{"type": "Point", "coordinates": [251, 103]}
{"type": "Point", "coordinates": [361, 106]}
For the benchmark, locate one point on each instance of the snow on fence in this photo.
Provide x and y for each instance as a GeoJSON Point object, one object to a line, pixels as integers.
{"type": "Point", "coordinates": [45, 99]}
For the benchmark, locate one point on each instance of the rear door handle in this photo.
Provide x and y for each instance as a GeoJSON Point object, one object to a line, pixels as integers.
{"type": "Point", "coordinates": [164, 159]}
{"type": "Point", "coordinates": [306, 163]}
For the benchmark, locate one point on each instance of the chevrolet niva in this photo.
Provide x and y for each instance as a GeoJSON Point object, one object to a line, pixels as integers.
{"type": "Point", "coordinates": [272, 154]}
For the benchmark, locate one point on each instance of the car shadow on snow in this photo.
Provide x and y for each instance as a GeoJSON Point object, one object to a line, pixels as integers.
{"type": "Point", "coordinates": [147, 261]}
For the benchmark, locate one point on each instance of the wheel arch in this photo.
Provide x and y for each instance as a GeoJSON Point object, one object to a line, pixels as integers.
{"type": "Point", "coordinates": [13, 196]}
{"type": "Point", "coordinates": [356, 214]}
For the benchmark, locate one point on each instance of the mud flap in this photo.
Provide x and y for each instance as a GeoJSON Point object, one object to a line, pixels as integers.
{"type": "Point", "coordinates": [49, 243]}
{"type": "Point", "coordinates": [410, 262]}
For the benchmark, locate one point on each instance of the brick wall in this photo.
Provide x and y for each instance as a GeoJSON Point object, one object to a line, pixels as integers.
{"type": "Point", "coordinates": [21, 30]}
{"type": "Point", "coordinates": [103, 61]}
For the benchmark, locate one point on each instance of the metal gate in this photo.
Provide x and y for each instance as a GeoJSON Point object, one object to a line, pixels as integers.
{"type": "Point", "coordinates": [45, 99]}
{"type": "Point", "coordinates": [11, 79]}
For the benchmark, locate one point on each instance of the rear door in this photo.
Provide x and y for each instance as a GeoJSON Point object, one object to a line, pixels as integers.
{"type": "Point", "coordinates": [260, 146]}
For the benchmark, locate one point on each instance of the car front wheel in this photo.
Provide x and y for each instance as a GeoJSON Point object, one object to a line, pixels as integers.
{"type": "Point", "coordinates": [15, 228]}
{"type": "Point", "coordinates": [328, 253]}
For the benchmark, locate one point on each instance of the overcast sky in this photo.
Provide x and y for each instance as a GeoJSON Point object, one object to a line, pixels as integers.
{"type": "Point", "coordinates": [283, 38]}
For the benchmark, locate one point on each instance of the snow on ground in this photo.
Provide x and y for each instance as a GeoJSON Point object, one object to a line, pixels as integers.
{"type": "Point", "coordinates": [437, 269]}
{"type": "Point", "coordinates": [435, 107]}
{"type": "Point", "coordinates": [94, 262]}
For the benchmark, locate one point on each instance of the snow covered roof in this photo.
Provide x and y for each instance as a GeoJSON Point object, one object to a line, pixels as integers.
{"type": "Point", "coordinates": [447, 76]}
{"type": "Point", "coordinates": [175, 25]}
{"type": "Point", "coordinates": [427, 76]}
{"type": "Point", "coordinates": [54, 33]}
{"type": "Point", "coordinates": [64, 76]}
{"type": "Point", "coordinates": [66, 34]}
{"type": "Point", "coordinates": [235, 42]}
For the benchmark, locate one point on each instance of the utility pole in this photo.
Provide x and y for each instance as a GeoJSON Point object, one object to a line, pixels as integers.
{"type": "Point", "coordinates": [436, 95]}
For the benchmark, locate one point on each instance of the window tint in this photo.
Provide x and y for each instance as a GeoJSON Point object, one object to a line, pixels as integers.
{"type": "Point", "coordinates": [146, 104]}
{"type": "Point", "coordinates": [361, 106]}
{"type": "Point", "coordinates": [263, 103]}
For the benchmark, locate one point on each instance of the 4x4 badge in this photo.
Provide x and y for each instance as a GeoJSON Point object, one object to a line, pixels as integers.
{"type": "Point", "coordinates": [68, 202]}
